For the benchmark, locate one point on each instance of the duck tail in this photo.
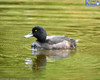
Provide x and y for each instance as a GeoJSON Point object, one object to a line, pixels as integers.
{"type": "Point", "coordinates": [76, 41]}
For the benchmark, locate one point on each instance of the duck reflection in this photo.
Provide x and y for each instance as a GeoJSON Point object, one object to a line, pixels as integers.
{"type": "Point", "coordinates": [39, 63]}
{"type": "Point", "coordinates": [44, 56]}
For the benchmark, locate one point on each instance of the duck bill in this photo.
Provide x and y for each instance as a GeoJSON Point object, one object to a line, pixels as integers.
{"type": "Point", "coordinates": [29, 35]}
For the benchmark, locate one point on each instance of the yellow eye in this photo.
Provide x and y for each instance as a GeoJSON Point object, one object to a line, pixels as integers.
{"type": "Point", "coordinates": [35, 30]}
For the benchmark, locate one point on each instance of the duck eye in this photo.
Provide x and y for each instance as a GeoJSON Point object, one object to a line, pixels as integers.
{"type": "Point", "coordinates": [35, 30]}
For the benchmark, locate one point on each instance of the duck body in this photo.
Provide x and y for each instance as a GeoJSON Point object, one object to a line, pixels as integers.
{"type": "Point", "coordinates": [54, 42]}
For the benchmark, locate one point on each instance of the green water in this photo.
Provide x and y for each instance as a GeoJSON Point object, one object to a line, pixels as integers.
{"type": "Point", "coordinates": [59, 17]}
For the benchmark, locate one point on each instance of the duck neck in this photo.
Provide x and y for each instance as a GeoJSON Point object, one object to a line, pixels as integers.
{"type": "Point", "coordinates": [41, 39]}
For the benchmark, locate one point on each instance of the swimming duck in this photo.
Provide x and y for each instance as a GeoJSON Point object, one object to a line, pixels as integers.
{"type": "Point", "coordinates": [45, 42]}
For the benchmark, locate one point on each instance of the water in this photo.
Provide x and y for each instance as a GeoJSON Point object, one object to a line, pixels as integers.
{"type": "Point", "coordinates": [69, 18]}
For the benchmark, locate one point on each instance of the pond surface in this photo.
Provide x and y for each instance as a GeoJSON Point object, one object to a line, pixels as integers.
{"type": "Point", "coordinates": [70, 18]}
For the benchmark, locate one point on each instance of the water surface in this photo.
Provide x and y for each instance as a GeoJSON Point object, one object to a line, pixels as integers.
{"type": "Point", "coordinates": [59, 17]}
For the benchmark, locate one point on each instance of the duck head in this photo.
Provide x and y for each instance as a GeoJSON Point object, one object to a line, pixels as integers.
{"type": "Point", "coordinates": [39, 33]}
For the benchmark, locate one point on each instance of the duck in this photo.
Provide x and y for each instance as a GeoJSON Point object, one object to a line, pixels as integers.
{"type": "Point", "coordinates": [53, 42]}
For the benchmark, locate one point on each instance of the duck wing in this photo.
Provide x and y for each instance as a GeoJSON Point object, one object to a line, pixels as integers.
{"type": "Point", "coordinates": [58, 38]}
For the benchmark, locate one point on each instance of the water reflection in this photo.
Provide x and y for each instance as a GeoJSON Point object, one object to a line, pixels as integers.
{"type": "Point", "coordinates": [39, 63]}
{"type": "Point", "coordinates": [44, 56]}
